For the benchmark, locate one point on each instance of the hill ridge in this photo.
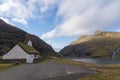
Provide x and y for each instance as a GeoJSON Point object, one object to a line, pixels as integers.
{"type": "Point", "coordinates": [11, 35]}
{"type": "Point", "coordinates": [100, 44]}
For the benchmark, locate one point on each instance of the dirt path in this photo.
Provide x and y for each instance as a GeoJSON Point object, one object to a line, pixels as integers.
{"type": "Point", "coordinates": [45, 71]}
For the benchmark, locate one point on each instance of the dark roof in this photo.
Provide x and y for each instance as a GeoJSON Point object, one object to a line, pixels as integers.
{"type": "Point", "coordinates": [28, 49]}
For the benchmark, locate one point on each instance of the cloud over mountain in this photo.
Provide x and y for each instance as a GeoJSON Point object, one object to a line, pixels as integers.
{"type": "Point", "coordinates": [84, 17]}
{"type": "Point", "coordinates": [74, 17]}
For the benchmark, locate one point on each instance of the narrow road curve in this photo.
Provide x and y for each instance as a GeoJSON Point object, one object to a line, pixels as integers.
{"type": "Point", "coordinates": [45, 71]}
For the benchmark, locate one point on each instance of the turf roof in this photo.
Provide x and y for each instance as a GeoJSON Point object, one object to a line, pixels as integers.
{"type": "Point", "coordinates": [28, 49]}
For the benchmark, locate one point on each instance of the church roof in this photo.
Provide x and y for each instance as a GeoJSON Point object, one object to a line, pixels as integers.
{"type": "Point", "coordinates": [28, 49]}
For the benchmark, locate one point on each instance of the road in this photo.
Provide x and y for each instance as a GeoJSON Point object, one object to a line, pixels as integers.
{"type": "Point", "coordinates": [45, 71]}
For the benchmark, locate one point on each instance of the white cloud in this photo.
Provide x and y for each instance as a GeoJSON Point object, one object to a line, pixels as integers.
{"type": "Point", "coordinates": [47, 4]}
{"type": "Point", "coordinates": [78, 17]}
{"type": "Point", "coordinates": [20, 21]}
{"type": "Point", "coordinates": [7, 21]}
{"type": "Point", "coordinates": [85, 16]}
{"type": "Point", "coordinates": [21, 10]}
{"type": "Point", "coordinates": [50, 35]}
{"type": "Point", "coordinates": [18, 10]}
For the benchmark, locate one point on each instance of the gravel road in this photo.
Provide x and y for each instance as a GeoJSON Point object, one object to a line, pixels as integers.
{"type": "Point", "coordinates": [45, 71]}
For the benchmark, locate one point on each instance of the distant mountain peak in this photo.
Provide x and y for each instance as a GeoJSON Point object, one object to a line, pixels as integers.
{"type": "Point", "coordinates": [100, 44]}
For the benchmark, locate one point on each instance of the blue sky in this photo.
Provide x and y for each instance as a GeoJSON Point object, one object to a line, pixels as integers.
{"type": "Point", "coordinates": [58, 22]}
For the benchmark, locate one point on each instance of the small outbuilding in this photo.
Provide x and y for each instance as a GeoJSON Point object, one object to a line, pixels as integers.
{"type": "Point", "coordinates": [23, 51]}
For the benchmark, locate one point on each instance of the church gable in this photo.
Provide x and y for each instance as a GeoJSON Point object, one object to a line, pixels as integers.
{"type": "Point", "coordinates": [16, 53]}
{"type": "Point", "coordinates": [22, 51]}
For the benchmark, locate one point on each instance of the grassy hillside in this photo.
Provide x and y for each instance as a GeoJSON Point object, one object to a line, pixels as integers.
{"type": "Point", "coordinates": [100, 44]}
{"type": "Point", "coordinates": [11, 35]}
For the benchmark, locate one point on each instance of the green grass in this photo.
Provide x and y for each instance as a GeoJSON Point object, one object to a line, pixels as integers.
{"type": "Point", "coordinates": [28, 49]}
{"type": "Point", "coordinates": [103, 46]}
{"type": "Point", "coordinates": [5, 66]}
{"type": "Point", "coordinates": [100, 44]}
{"type": "Point", "coordinates": [0, 57]}
{"type": "Point", "coordinates": [77, 63]}
{"type": "Point", "coordinates": [111, 72]}
{"type": "Point", "coordinates": [104, 72]}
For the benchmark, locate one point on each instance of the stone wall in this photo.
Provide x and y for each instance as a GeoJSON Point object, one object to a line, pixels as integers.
{"type": "Point", "coordinates": [12, 60]}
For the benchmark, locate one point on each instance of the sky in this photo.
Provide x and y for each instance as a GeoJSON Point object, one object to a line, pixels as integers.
{"type": "Point", "coordinates": [59, 22]}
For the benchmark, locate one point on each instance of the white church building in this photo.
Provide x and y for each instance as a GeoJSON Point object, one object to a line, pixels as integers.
{"type": "Point", "coordinates": [23, 51]}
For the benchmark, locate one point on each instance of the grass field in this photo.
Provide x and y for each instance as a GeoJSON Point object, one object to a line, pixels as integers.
{"type": "Point", "coordinates": [104, 72]}
{"type": "Point", "coordinates": [5, 66]}
{"type": "Point", "coordinates": [0, 57]}
{"type": "Point", "coordinates": [109, 72]}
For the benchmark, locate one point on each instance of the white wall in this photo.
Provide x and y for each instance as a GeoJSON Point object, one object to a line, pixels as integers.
{"type": "Point", "coordinates": [18, 53]}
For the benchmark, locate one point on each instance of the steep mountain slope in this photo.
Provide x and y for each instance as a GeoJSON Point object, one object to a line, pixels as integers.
{"type": "Point", "coordinates": [11, 35]}
{"type": "Point", "coordinates": [100, 44]}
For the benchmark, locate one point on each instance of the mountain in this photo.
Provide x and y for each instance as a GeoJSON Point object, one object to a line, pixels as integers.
{"type": "Point", "coordinates": [11, 35]}
{"type": "Point", "coordinates": [57, 49]}
{"type": "Point", "coordinates": [100, 44]}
